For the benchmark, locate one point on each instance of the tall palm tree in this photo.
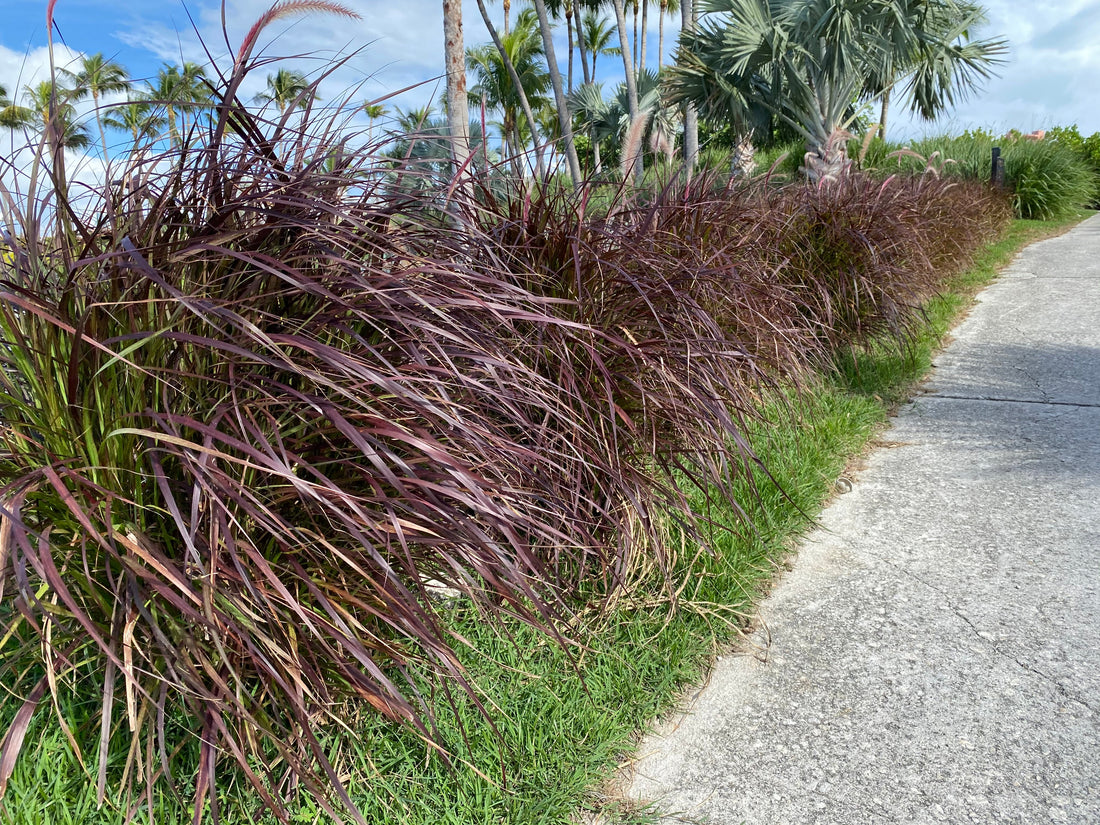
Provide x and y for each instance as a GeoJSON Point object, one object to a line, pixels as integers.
{"type": "Point", "coordinates": [286, 88]}
{"type": "Point", "coordinates": [73, 135]}
{"type": "Point", "coordinates": [631, 78]}
{"type": "Point", "coordinates": [9, 115]}
{"type": "Point", "coordinates": [180, 89]}
{"type": "Point", "coordinates": [559, 9]}
{"type": "Point", "coordinates": [644, 34]}
{"type": "Point", "coordinates": [688, 21]}
{"type": "Point", "coordinates": [98, 76]}
{"type": "Point", "coordinates": [808, 60]}
{"type": "Point", "coordinates": [505, 93]}
{"type": "Point", "coordinates": [140, 118]}
{"type": "Point", "coordinates": [61, 129]}
{"type": "Point", "coordinates": [374, 112]}
{"type": "Point", "coordinates": [596, 34]}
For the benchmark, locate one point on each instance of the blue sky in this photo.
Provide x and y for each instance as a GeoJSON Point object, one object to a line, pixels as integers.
{"type": "Point", "coordinates": [1051, 79]}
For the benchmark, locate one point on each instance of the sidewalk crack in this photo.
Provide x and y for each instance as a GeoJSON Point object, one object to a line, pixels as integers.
{"type": "Point", "coordinates": [1045, 395]}
{"type": "Point", "coordinates": [1060, 688]}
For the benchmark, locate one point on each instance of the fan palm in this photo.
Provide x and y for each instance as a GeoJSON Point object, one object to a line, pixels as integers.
{"type": "Point", "coordinates": [98, 76]}
{"type": "Point", "coordinates": [656, 125]}
{"type": "Point", "coordinates": [809, 60]}
{"type": "Point", "coordinates": [423, 149]}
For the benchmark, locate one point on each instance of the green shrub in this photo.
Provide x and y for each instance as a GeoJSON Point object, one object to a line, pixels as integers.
{"type": "Point", "coordinates": [1047, 179]}
{"type": "Point", "coordinates": [1085, 148]}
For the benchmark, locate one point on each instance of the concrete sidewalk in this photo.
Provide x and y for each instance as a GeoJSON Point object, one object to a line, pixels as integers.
{"type": "Point", "coordinates": [934, 656]}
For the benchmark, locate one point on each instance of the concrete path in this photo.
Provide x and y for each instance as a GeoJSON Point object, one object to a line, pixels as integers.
{"type": "Point", "coordinates": [934, 656]}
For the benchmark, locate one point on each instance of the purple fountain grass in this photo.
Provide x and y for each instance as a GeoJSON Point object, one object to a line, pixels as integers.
{"type": "Point", "coordinates": [255, 404]}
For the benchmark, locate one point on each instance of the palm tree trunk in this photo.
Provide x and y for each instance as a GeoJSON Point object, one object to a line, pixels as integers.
{"type": "Point", "coordinates": [580, 41]}
{"type": "Point", "coordinates": [885, 111]}
{"type": "Point", "coordinates": [514, 75]}
{"type": "Point", "coordinates": [569, 35]}
{"type": "Point", "coordinates": [517, 143]}
{"type": "Point", "coordinates": [564, 118]}
{"type": "Point", "coordinates": [661, 34]}
{"type": "Point", "coordinates": [458, 114]}
{"type": "Point", "coordinates": [691, 118]}
{"type": "Point", "coordinates": [634, 42]}
{"type": "Point", "coordinates": [628, 63]}
{"type": "Point", "coordinates": [645, 38]}
{"type": "Point", "coordinates": [99, 123]}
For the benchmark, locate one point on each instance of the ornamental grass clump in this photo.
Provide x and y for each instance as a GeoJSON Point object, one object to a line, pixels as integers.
{"type": "Point", "coordinates": [864, 254]}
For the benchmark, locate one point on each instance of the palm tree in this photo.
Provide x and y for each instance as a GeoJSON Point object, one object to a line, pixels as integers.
{"type": "Point", "coordinates": [373, 111]}
{"type": "Point", "coordinates": [808, 60]}
{"type": "Point", "coordinates": [644, 34]}
{"type": "Point", "coordinates": [688, 21]}
{"type": "Point", "coordinates": [595, 115]}
{"type": "Point", "coordinates": [423, 151]}
{"type": "Point", "coordinates": [180, 88]}
{"type": "Point", "coordinates": [559, 9]}
{"type": "Point", "coordinates": [521, 89]}
{"type": "Point", "coordinates": [286, 88]}
{"type": "Point", "coordinates": [70, 135]}
{"type": "Point", "coordinates": [631, 78]}
{"type": "Point", "coordinates": [140, 118]}
{"type": "Point", "coordinates": [665, 7]}
{"type": "Point", "coordinates": [9, 114]}
{"type": "Point", "coordinates": [98, 76]}
{"type": "Point", "coordinates": [655, 126]}
{"type": "Point", "coordinates": [596, 34]}
{"type": "Point", "coordinates": [940, 47]}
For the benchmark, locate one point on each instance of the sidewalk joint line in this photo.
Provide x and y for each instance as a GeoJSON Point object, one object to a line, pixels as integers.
{"type": "Point", "coordinates": [1012, 400]}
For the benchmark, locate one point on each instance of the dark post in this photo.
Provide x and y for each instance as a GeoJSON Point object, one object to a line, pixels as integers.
{"type": "Point", "coordinates": [997, 177]}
